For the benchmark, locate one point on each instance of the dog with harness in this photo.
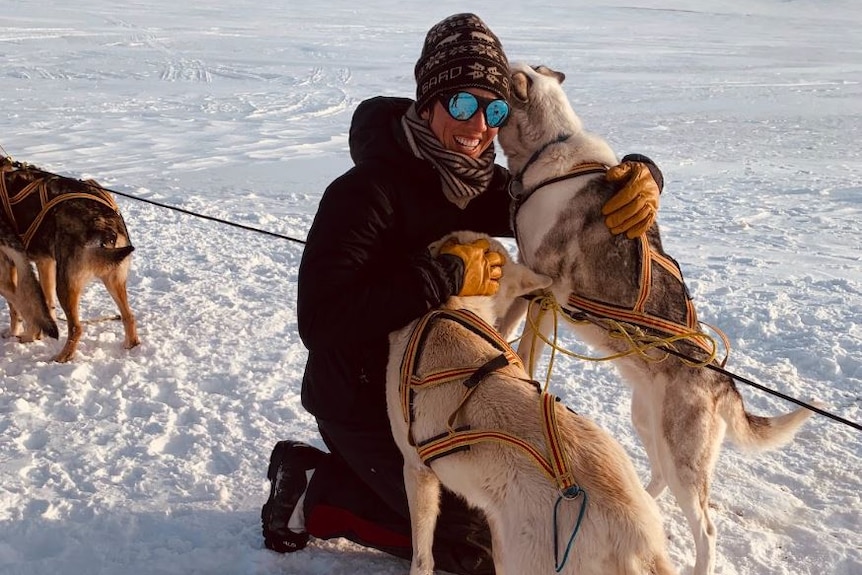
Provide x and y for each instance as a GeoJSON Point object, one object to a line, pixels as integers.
{"type": "Point", "coordinates": [625, 297]}
{"type": "Point", "coordinates": [74, 232]}
{"type": "Point", "coordinates": [559, 493]}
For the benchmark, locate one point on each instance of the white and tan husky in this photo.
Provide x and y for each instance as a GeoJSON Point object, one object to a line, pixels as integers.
{"type": "Point", "coordinates": [483, 437]}
{"type": "Point", "coordinates": [680, 412]}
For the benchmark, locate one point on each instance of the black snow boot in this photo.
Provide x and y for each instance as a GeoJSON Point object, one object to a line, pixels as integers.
{"type": "Point", "coordinates": [287, 475]}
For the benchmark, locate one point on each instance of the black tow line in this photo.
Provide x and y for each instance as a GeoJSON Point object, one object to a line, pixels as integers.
{"type": "Point", "coordinates": [582, 315]}
{"type": "Point", "coordinates": [205, 217]}
{"type": "Point", "coordinates": [668, 350]}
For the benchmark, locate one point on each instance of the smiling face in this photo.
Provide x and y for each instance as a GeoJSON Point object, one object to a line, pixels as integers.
{"type": "Point", "coordinates": [469, 137]}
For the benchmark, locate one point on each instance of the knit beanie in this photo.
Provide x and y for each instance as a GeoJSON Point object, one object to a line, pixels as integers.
{"type": "Point", "coordinates": [460, 52]}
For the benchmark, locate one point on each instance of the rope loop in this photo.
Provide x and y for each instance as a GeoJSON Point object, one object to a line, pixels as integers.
{"type": "Point", "coordinates": [649, 347]}
{"type": "Point", "coordinates": [570, 494]}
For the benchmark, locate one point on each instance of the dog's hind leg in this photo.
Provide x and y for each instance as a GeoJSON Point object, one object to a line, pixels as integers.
{"type": "Point", "coordinates": [646, 419]}
{"type": "Point", "coordinates": [423, 499]}
{"type": "Point", "coordinates": [115, 283]}
{"type": "Point", "coordinates": [696, 509]}
{"type": "Point", "coordinates": [693, 432]}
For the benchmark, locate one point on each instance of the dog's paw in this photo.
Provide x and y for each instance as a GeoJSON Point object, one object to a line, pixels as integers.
{"type": "Point", "coordinates": [814, 402]}
{"type": "Point", "coordinates": [65, 355]}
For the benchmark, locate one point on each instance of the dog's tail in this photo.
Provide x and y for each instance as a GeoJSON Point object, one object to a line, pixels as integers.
{"type": "Point", "coordinates": [758, 433]}
{"type": "Point", "coordinates": [27, 296]}
{"type": "Point", "coordinates": [111, 257]}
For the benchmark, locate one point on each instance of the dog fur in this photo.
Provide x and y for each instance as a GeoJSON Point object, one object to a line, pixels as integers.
{"type": "Point", "coordinates": [680, 412]}
{"type": "Point", "coordinates": [20, 286]}
{"type": "Point", "coordinates": [77, 240]}
{"type": "Point", "coordinates": [621, 532]}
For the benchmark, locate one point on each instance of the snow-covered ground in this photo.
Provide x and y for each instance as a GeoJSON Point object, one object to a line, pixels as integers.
{"type": "Point", "coordinates": [153, 461]}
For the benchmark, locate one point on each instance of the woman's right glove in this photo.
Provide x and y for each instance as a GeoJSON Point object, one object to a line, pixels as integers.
{"type": "Point", "coordinates": [633, 208]}
{"type": "Point", "coordinates": [482, 267]}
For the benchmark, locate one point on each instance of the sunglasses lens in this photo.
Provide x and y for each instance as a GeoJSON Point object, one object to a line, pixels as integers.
{"type": "Point", "coordinates": [463, 105]}
{"type": "Point", "coordinates": [496, 113]}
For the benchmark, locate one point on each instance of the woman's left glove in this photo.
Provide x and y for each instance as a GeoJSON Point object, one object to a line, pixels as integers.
{"type": "Point", "coordinates": [633, 209]}
{"type": "Point", "coordinates": [481, 267]}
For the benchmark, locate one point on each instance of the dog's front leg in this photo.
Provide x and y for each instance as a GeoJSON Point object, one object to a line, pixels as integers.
{"type": "Point", "coordinates": [15, 323]}
{"type": "Point", "coordinates": [423, 498]}
{"type": "Point", "coordinates": [530, 347]}
{"type": "Point", "coordinates": [8, 285]}
{"type": "Point", "coordinates": [646, 419]}
{"type": "Point", "coordinates": [513, 317]}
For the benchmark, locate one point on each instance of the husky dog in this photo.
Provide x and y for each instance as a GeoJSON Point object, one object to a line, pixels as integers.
{"type": "Point", "coordinates": [480, 432]}
{"type": "Point", "coordinates": [74, 232]}
{"type": "Point", "coordinates": [680, 411]}
{"type": "Point", "coordinates": [20, 287]}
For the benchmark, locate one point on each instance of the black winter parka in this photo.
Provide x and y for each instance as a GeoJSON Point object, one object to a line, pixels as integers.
{"type": "Point", "coordinates": [366, 270]}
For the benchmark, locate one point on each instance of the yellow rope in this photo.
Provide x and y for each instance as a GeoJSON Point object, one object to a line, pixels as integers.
{"type": "Point", "coordinates": [638, 342]}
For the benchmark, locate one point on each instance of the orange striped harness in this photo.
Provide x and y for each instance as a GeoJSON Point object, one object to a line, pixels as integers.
{"type": "Point", "coordinates": [553, 463]}
{"type": "Point", "coordinates": [637, 314]}
{"type": "Point", "coordinates": [577, 305]}
{"type": "Point", "coordinates": [48, 196]}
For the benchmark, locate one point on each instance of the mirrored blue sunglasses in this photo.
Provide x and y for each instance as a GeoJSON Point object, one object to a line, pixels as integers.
{"type": "Point", "coordinates": [464, 105]}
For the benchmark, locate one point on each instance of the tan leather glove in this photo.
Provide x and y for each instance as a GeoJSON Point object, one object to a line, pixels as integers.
{"type": "Point", "coordinates": [633, 209]}
{"type": "Point", "coordinates": [483, 268]}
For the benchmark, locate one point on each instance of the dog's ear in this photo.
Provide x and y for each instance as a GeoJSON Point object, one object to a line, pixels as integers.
{"type": "Point", "coordinates": [545, 71]}
{"type": "Point", "coordinates": [520, 87]}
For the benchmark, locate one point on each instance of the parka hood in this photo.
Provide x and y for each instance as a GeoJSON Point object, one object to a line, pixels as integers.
{"type": "Point", "coordinates": [376, 132]}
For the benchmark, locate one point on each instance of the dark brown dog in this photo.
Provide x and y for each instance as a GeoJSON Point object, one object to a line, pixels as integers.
{"type": "Point", "coordinates": [74, 232]}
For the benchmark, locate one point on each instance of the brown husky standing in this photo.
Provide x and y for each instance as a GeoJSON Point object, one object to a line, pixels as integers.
{"type": "Point", "coordinates": [74, 232]}
{"type": "Point", "coordinates": [680, 411]}
{"type": "Point", "coordinates": [465, 415]}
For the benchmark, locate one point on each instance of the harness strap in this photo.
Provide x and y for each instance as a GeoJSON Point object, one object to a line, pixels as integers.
{"type": "Point", "coordinates": [637, 314]}
{"type": "Point", "coordinates": [46, 202]}
{"type": "Point", "coordinates": [618, 313]}
{"type": "Point", "coordinates": [475, 379]}
{"type": "Point", "coordinates": [498, 362]}
{"type": "Point", "coordinates": [409, 378]}
{"type": "Point", "coordinates": [649, 257]}
{"type": "Point", "coordinates": [585, 169]}
{"type": "Point", "coordinates": [520, 196]}
{"type": "Point", "coordinates": [562, 137]}
{"type": "Point", "coordinates": [461, 438]}
{"type": "Point", "coordinates": [553, 464]}
{"type": "Point", "coordinates": [46, 207]}
{"type": "Point", "coordinates": [562, 473]}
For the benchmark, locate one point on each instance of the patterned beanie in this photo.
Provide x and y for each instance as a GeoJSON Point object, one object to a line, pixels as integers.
{"type": "Point", "coordinates": [460, 52]}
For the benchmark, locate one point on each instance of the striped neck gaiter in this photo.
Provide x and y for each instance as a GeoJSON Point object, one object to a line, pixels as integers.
{"type": "Point", "coordinates": [463, 177]}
